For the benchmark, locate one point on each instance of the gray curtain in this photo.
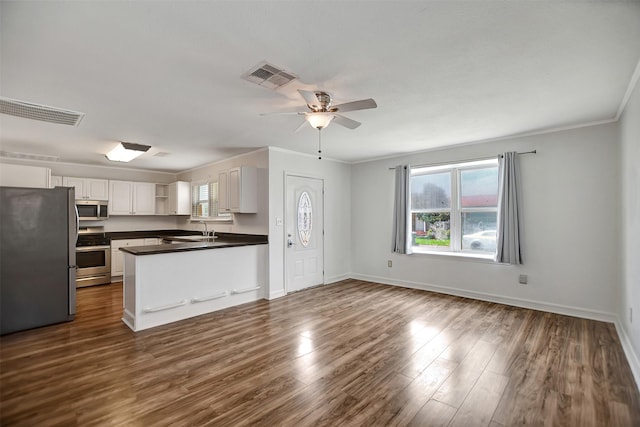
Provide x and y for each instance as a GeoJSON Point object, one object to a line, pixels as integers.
{"type": "Point", "coordinates": [400, 243]}
{"type": "Point", "coordinates": [509, 200]}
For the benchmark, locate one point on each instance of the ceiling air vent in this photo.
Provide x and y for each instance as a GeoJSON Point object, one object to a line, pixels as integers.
{"type": "Point", "coordinates": [43, 113]}
{"type": "Point", "coordinates": [269, 76]}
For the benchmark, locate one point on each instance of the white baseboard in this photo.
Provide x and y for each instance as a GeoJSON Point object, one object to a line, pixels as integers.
{"type": "Point", "coordinates": [517, 302]}
{"type": "Point", "coordinates": [632, 357]}
{"type": "Point", "coordinates": [276, 294]}
{"type": "Point", "coordinates": [334, 279]}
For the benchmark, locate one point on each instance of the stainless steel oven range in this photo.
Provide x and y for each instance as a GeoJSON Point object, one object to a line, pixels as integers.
{"type": "Point", "coordinates": [93, 257]}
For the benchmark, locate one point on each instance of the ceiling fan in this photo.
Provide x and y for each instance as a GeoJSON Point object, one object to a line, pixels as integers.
{"type": "Point", "coordinates": [322, 111]}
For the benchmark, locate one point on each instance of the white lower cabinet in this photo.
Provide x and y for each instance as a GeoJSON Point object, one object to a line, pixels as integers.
{"type": "Point", "coordinates": [117, 256]}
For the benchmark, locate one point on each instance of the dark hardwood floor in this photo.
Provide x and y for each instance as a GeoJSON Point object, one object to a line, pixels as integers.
{"type": "Point", "coordinates": [351, 353]}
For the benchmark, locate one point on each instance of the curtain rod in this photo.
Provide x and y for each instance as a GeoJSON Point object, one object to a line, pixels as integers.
{"type": "Point", "coordinates": [466, 160]}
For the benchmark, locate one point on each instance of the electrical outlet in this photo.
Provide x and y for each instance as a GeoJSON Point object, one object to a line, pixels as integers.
{"type": "Point", "coordinates": [523, 279]}
{"type": "Point", "coordinates": [389, 263]}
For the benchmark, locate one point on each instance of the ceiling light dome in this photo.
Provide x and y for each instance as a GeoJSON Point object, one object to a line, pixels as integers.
{"type": "Point", "coordinates": [319, 120]}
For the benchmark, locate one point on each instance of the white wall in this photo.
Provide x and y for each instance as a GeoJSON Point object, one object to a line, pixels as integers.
{"type": "Point", "coordinates": [337, 214]}
{"type": "Point", "coordinates": [571, 233]}
{"type": "Point", "coordinates": [242, 223]}
{"type": "Point", "coordinates": [630, 298]}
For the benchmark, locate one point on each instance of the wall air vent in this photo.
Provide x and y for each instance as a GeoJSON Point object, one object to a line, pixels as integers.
{"type": "Point", "coordinates": [27, 156]}
{"type": "Point", "coordinates": [269, 76]}
{"type": "Point", "coordinates": [43, 113]}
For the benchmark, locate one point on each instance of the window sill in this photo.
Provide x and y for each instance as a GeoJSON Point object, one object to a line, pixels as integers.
{"type": "Point", "coordinates": [488, 258]}
{"type": "Point", "coordinates": [218, 219]}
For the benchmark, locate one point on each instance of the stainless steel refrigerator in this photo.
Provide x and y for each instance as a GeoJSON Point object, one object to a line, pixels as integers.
{"type": "Point", "coordinates": [38, 233]}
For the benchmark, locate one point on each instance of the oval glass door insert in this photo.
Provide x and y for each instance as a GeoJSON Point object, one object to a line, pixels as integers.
{"type": "Point", "coordinates": [305, 219]}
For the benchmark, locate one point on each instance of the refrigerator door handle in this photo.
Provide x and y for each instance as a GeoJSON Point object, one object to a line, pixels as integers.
{"type": "Point", "coordinates": [77, 223]}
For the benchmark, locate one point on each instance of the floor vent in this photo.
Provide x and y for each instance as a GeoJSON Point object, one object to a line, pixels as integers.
{"type": "Point", "coordinates": [27, 156]}
{"type": "Point", "coordinates": [39, 112]}
{"type": "Point", "coordinates": [269, 76]}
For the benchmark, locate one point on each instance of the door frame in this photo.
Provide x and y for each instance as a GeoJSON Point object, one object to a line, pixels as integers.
{"type": "Point", "coordinates": [287, 218]}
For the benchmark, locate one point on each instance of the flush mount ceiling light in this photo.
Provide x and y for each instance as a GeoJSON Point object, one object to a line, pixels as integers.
{"type": "Point", "coordinates": [127, 151]}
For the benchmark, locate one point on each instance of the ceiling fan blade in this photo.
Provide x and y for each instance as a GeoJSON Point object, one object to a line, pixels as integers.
{"type": "Point", "coordinates": [345, 121]}
{"type": "Point", "coordinates": [363, 104]}
{"type": "Point", "coordinates": [291, 111]}
{"type": "Point", "coordinates": [309, 97]}
{"type": "Point", "coordinates": [302, 125]}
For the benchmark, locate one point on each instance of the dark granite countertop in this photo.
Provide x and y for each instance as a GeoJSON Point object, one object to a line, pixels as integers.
{"type": "Point", "coordinates": [223, 240]}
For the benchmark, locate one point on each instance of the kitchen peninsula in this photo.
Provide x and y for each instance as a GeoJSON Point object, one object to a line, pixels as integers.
{"type": "Point", "coordinates": [191, 276]}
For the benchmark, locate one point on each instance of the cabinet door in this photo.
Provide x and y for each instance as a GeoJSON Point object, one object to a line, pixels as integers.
{"type": "Point", "coordinates": [77, 184]}
{"type": "Point", "coordinates": [97, 189]}
{"type": "Point", "coordinates": [234, 190]}
{"type": "Point", "coordinates": [120, 198]}
{"type": "Point", "coordinates": [24, 176]}
{"type": "Point", "coordinates": [172, 200]}
{"type": "Point", "coordinates": [243, 193]}
{"type": "Point", "coordinates": [117, 262]}
{"type": "Point", "coordinates": [117, 256]}
{"type": "Point", "coordinates": [223, 191]}
{"type": "Point", "coordinates": [144, 198]}
{"type": "Point", "coordinates": [183, 198]}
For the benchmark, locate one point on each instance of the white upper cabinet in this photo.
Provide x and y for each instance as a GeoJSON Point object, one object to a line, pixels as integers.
{"type": "Point", "coordinates": [88, 188]}
{"type": "Point", "coordinates": [179, 202]}
{"type": "Point", "coordinates": [173, 199]}
{"type": "Point", "coordinates": [132, 198]}
{"type": "Point", "coordinates": [237, 190]}
{"type": "Point", "coordinates": [24, 176]}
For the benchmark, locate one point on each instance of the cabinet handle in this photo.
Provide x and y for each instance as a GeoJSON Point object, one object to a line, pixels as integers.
{"type": "Point", "coordinates": [242, 291]}
{"type": "Point", "coordinates": [164, 307]}
{"type": "Point", "coordinates": [209, 298]}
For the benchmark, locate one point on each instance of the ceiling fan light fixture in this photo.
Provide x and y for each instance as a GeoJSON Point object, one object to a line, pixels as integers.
{"type": "Point", "coordinates": [127, 151]}
{"type": "Point", "coordinates": [319, 120]}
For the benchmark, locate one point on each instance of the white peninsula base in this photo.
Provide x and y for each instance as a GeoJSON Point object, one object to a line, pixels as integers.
{"type": "Point", "coordinates": [166, 287]}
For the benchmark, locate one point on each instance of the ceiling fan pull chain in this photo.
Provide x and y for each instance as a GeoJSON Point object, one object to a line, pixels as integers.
{"type": "Point", "coordinates": [319, 144]}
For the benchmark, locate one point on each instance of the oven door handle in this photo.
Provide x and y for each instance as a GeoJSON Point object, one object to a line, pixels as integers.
{"type": "Point", "coordinates": [92, 248]}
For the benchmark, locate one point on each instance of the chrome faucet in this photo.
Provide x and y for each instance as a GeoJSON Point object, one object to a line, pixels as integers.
{"type": "Point", "coordinates": [205, 232]}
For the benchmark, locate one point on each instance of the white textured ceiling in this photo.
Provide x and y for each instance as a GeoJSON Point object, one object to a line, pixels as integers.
{"type": "Point", "coordinates": [167, 74]}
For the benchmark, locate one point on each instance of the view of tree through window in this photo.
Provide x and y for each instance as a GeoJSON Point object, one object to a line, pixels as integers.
{"type": "Point", "coordinates": [454, 208]}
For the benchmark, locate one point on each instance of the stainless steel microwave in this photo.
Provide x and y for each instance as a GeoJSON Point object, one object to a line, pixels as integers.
{"type": "Point", "coordinates": [92, 210]}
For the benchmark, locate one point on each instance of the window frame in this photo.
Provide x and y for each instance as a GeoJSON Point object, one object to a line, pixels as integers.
{"type": "Point", "coordinates": [455, 209]}
{"type": "Point", "coordinates": [225, 217]}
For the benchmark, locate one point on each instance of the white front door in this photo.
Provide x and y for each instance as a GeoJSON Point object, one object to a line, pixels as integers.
{"type": "Point", "coordinates": [304, 230]}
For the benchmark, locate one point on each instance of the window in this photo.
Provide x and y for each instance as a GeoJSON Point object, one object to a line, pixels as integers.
{"type": "Point", "coordinates": [454, 208]}
{"type": "Point", "coordinates": [204, 201]}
